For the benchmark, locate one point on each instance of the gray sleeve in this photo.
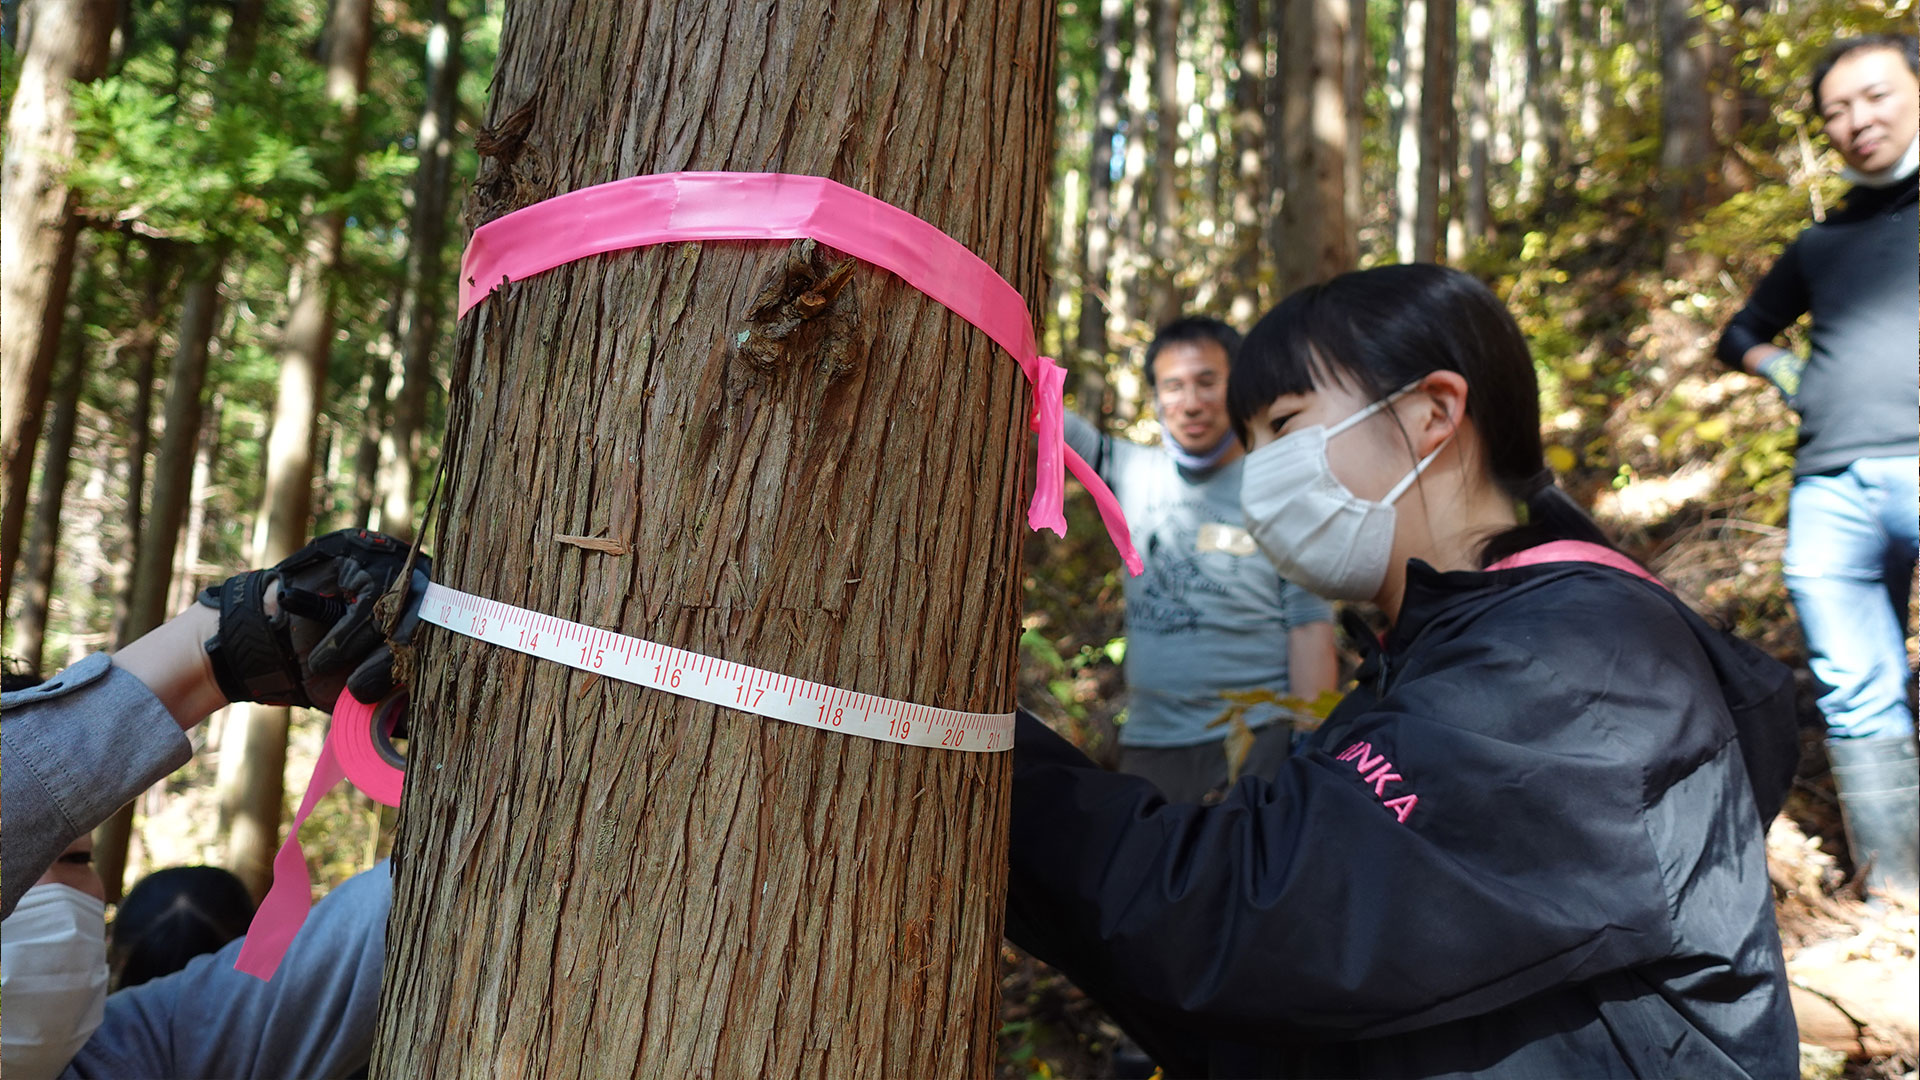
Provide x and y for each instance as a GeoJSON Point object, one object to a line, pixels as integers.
{"type": "Point", "coordinates": [72, 751]}
{"type": "Point", "coordinates": [1094, 448]}
{"type": "Point", "coordinates": [313, 1020]}
{"type": "Point", "coordinates": [1298, 607]}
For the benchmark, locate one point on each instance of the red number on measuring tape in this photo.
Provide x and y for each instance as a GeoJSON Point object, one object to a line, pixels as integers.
{"type": "Point", "coordinates": [748, 696]}
{"type": "Point", "coordinates": [953, 737]}
{"type": "Point", "coordinates": [898, 728]}
{"type": "Point", "coordinates": [479, 625]}
{"type": "Point", "coordinates": [838, 715]}
{"type": "Point", "coordinates": [591, 655]}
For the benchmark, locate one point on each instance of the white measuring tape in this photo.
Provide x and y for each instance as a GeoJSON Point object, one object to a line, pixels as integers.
{"type": "Point", "coordinates": [712, 680]}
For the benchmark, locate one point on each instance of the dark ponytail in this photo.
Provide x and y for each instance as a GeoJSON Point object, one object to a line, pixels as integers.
{"type": "Point", "coordinates": [1386, 327]}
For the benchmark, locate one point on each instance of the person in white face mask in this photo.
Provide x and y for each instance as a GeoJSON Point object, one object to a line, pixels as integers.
{"type": "Point", "coordinates": [1529, 842]}
{"type": "Point", "coordinates": [1852, 536]}
{"type": "Point", "coordinates": [53, 967]}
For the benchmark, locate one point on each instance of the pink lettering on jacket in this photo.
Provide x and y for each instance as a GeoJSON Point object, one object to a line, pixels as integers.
{"type": "Point", "coordinates": [1375, 769]}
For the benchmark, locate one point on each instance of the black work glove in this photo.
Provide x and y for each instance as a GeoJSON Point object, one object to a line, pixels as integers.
{"type": "Point", "coordinates": [324, 636]}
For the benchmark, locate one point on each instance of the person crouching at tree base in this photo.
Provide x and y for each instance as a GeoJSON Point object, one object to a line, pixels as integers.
{"type": "Point", "coordinates": [1530, 842]}
{"type": "Point", "coordinates": [1852, 532]}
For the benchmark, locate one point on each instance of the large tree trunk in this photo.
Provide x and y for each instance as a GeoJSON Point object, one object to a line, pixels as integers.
{"type": "Point", "coordinates": [598, 880]}
{"type": "Point", "coordinates": [43, 540]}
{"type": "Point", "coordinates": [59, 41]}
{"type": "Point", "coordinates": [1322, 49]}
{"type": "Point", "coordinates": [402, 448]}
{"type": "Point", "coordinates": [1090, 340]}
{"type": "Point", "coordinates": [251, 803]}
{"type": "Point", "coordinates": [1686, 113]}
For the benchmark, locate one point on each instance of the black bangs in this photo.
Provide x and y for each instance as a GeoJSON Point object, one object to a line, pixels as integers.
{"type": "Point", "coordinates": [1307, 342]}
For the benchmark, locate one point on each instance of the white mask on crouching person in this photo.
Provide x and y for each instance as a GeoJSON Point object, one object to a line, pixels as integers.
{"type": "Point", "coordinates": [1317, 533]}
{"type": "Point", "coordinates": [53, 979]}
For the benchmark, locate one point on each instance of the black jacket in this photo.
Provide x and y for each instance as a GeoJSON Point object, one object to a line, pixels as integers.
{"type": "Point", "coordinates": [1529, 845]}
{"type": "Point", "coordinates": [1854, 274]}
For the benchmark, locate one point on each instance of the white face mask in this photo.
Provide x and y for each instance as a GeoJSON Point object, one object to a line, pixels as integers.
{"type": "Point", "coordinates": [1319, 535]}
{"type": "Point", "coordinates": [53, 979]}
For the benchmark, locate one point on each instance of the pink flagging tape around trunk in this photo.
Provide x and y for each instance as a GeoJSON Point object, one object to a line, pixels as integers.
{"type": "Point", "coordinates": [670, 207]}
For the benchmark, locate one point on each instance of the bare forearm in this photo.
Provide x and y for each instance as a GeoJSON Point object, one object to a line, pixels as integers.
{"type": "Point", "coordinates": [172, 661]}
{"type": "Point", "coordinates": [1312, 667]}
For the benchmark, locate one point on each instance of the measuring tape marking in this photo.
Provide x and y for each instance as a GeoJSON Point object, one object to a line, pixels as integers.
{"type": "Point", "coordinates": [724, 683]}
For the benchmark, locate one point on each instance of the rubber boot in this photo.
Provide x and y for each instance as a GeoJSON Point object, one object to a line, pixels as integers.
{"type": "Point", "coordinates": [1879, 785]}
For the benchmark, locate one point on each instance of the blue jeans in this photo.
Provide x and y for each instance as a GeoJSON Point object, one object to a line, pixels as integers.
{"type": "Point", "coordinates": [1851, 543]}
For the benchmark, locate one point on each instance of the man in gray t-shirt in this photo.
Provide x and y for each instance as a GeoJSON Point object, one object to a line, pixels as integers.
{"type": "Point", "coordinates": [1209, 613]}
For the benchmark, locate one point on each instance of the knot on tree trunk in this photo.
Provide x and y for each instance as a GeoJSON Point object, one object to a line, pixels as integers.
{"type": "Point", "coordinates": [806, 312]}
{"type": "Point", "coordinates": [512, 172]}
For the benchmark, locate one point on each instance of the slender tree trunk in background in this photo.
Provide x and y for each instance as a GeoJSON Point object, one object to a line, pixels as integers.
{"type": "Point", "coordinates": [1556, 63]}
{"type": "Point", "coordinates": [1090, 343]}
{"type": "Point", "coordinates": [1436, 128]}
{"type": "Point", "coordinates": [250, 808]}
{"type": "Point", "coordinates": [1686, 114]}
{"type": "Point", "coordinates": [1477, 207]}
{"type": "Point", "coordinates": [146, 350]}
{"type": "Point", "coordinates": [1249, 152]}
{"type": "Point", "coordinates": [402, 447]}
{"type": "Point", "coordinates": [794, 902]}
{"type": "Point", "coordinates": [1411, 199]}
{"type": "Point", "coordinates": [187, 569]}
{"type": "Point", "coordinates": [1587, 65]}
{"type": "Point", "coordinates": [43, 540]}
{"type": "Point", "coordinates": [367, 423]}
{"type": "Point", "coordinates": [1163, 303]}
{"type": "Point", "coordinates": [1124, 308]}
{"type": "Point", "coordinates": [1320, 50]}
{"type": "Point", "coordinates": [1533, 151]}
{"type": "Point", "coordinates": [59, 42]}
{"type": "Point", "coordinates": [148, 586]}
{"type": "Point", "coordinates": [174, 463]}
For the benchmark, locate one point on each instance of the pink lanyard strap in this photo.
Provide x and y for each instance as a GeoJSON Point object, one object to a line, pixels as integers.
{"type": "Point", "coordinates": [1563, 551]}
{"type": "Point", "coordinates": [665, 207]}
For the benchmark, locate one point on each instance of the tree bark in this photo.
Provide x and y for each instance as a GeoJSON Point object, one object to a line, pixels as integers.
{"type": "Point", "coordinates": [60, 41]}
{"type": "Point", "coordinates": [599, 880]}
{"type": "Point", "coordinates": [1321, 54]}
{"type": "Point", "coordinates": [43, 540]}
{"type": "Point", "coordinates": [251, 805]}
{"type": "Point", "coordinates": [402, 449]}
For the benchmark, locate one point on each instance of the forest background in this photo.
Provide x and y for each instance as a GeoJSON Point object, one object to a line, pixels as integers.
{"type": "Point", "coordinates": [239, 324]}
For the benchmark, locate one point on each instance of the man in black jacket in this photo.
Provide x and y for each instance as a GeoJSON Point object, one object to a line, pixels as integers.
{"type": "Point", "coordinates": [1852, 542]}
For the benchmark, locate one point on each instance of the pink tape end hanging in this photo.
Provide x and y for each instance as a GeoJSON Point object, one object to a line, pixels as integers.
{"type": "Point", "coordinates": [283, 911]}
{"type": "Point", "coordinates": [1048, 509]}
